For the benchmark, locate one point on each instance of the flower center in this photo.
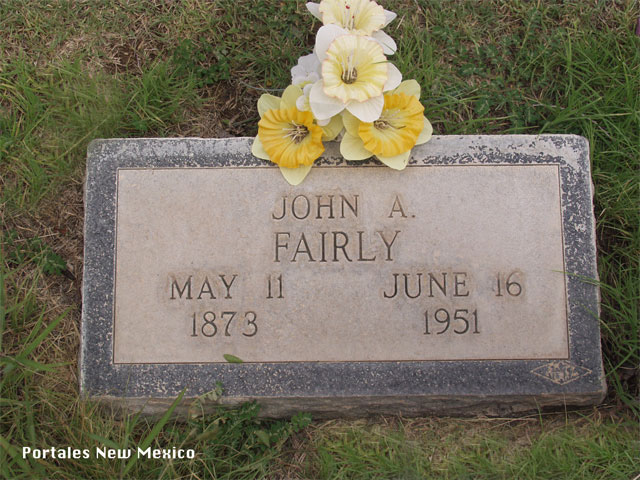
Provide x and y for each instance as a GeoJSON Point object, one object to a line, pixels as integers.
{"type": "Point", "coordinates": [386, 121]}
{"type": "Point", "coordinates": [297, 132]}
{"type": "Point", "coordinates": [350, 75]}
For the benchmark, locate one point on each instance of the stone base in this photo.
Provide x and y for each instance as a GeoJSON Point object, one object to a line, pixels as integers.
{"type": "Point", "coordinates": [359, 407]}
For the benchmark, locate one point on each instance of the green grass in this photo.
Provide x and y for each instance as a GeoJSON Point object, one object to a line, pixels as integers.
{"type": "Point", "coordinates": [52, 115]}
{"type": "Point", "coordinates": [73, 71]}
{"type": "Point", "coordinates": [526, 449]}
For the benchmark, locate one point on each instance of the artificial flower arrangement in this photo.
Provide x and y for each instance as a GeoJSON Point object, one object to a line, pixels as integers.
{"type": "Point", "coordinates": [346, 88]}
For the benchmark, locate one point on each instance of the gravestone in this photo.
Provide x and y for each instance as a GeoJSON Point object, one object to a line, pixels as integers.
{"type": "Point", "coordinates": [464, 284]}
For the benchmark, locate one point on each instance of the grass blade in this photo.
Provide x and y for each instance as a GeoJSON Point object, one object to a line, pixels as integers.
{"type": "Point", "coordinates": [155, 431]}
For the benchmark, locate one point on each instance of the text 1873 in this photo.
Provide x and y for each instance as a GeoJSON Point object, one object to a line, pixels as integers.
{"type": "Point", "coordinates": [206, 325]}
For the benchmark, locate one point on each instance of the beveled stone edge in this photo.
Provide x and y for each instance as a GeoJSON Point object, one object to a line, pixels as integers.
{"type": "Point", "coordinates": [360, 406]}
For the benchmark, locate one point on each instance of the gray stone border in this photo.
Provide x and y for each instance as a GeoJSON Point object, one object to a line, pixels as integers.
{"type": "Point", "coordinates": [360, 388]}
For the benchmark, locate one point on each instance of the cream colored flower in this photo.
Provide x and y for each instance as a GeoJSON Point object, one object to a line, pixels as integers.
{"type": "Point", "coordinates": [355, 73]}
{"type": "Point", "coordinates": [354, 69]}
{"type": "Point", "coordinates": [364, 17]}
{"type": "Point", "coordinates": [391, 137]}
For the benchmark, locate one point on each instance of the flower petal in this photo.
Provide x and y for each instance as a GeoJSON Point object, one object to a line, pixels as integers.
{"type": "Point", "coordinates": [394, 77]}
{"type": "Point", "coordinates": [314, 8]}
{"type": "Point", "coordinates": [350, 122]}
{"type": "Point", "coordinates": [352, 148]}
{"type": "Point", "coordinates": [295, 176]}
{"type": "Point", "coordinates": [367, 111]}
{"type": "Point", "coordinates": [388, 17]}
{"type": "Point", "coordinates": [309, 62]}
{"type": "Point", "coordinates": [258, 150]}
{"type": "Point", "coordinates": [332, 129]}
{"type": "Point", "coordinates": [289, 96]}
{"type": "Point", "coordinates": [388, 44]}
{"type": "Point", "coordinates": [426, 133]}
{"type": "Point", "coordinates": [267, 102]}
{"type": "Point", "coordinates": [301, 103]}
{"type": "Point", "coordinates": [327, 34]}
{"type": "Point", "coordinates": [323, 106]}
{"type": "Point", "coordinates": [306, 70]}
{"type": "Point", "coordinates": [409, 87]}
{"type": "Point", "coordinates": [298, 75]}
{"type": "Point", "coordinates": [399, 162]}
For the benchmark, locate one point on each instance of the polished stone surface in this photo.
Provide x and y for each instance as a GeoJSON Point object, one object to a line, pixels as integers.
{"type": "Point", "coordinates": [353, 268]}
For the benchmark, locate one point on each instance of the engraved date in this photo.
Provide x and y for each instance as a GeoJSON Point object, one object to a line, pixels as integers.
{"type": "Point", "coordinates": [206, 325]}
{"type": "Point", "coordinates": [460, 322]}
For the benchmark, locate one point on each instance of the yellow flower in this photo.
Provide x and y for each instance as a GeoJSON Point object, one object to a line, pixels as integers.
{"type": "Point", "coordinates": [400, 127]}
{"type": "Point", "coordinates": [287, 136]}
{"type": "Point", "coordinates": [290, 137]}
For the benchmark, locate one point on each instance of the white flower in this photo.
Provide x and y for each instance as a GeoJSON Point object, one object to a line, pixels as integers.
{"type": "Point", "coordinates": [364, 17]}
{"type": "Point", "coordinates": [307, 71]}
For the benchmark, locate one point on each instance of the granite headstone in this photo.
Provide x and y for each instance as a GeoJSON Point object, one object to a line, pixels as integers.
{"type": "Point", "coordinates": [464, 284]}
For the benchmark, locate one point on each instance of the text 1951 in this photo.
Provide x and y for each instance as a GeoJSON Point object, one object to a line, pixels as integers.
{"type": "Point", "coordinates": [459, 323]}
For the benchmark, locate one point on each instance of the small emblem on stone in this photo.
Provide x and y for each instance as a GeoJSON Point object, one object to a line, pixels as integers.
{"type": "Point", "coordinates": [561, 372]}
